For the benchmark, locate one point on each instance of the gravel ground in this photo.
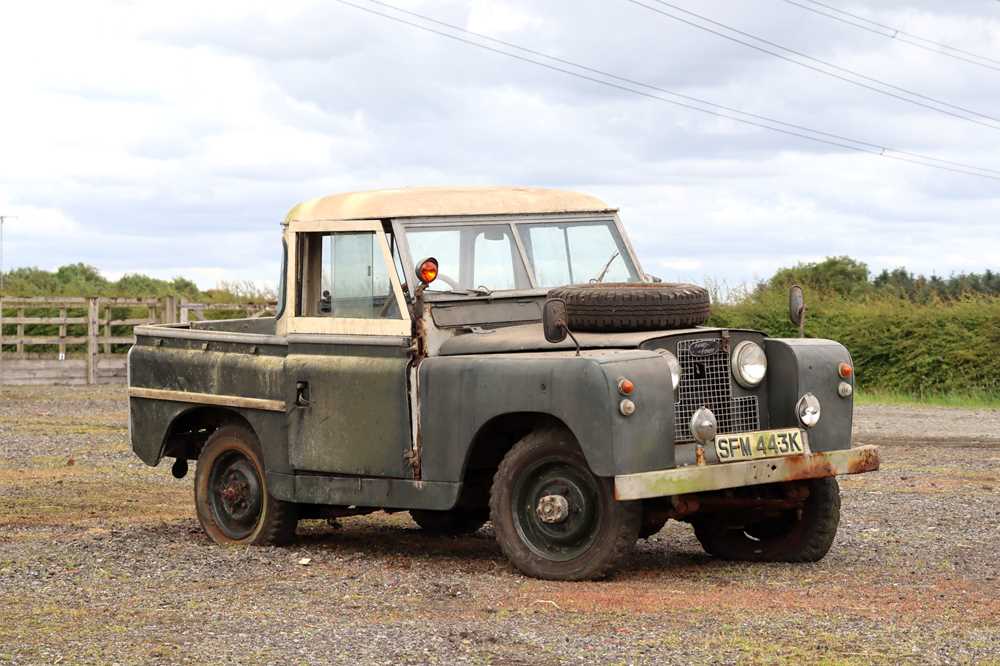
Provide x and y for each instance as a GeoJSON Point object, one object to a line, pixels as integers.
{"type": "Point", "coordinates": [102, 561]}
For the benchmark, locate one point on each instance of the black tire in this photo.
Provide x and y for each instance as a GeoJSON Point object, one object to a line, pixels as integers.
{"type": "Point", "coordinates": [456, 521]}
{"type": "Point", "coordinates": [633, 306]}
{"type": "Point", "coordinates": [231, 495]}
{"type": "Point", "coordinates": [801, 535]}
{"type": "Point", "coordinates": [594, 535]}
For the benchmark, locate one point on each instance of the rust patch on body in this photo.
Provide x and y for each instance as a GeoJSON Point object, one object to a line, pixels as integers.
{"type": "Point", "coordinates": [808, 467]}
{"type": "Point", "coordinates": [868, 460]}
{"type": "Point", "coordinates": [702, 478]}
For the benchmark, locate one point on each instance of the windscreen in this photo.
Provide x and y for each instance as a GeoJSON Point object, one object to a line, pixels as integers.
{"type": "Point", "coordinates": [576, 252]}
{"type": "Point", "coordinates": [486, 256]}
{"type": "Point", "coordinates": [474, 256]}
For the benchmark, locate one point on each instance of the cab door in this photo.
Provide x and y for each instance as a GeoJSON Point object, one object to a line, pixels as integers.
{"type": "Point", "coordinates": [348, 353]}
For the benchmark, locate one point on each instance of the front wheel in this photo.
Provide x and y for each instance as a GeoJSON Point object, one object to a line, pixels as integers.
{"type": "Point", "coordinates": [797, 535]}
{"type": "Point", "coordinates": [553, 517]}
{"type": "Point", "coordinates": [231, 494]}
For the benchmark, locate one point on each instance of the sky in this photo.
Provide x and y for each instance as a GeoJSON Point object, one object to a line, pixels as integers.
{"type": "Point", "coordinates": [171, 138]}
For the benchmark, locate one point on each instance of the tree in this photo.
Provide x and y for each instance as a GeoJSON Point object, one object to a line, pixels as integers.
{"type": "Point", "coordinates": [838, 275]}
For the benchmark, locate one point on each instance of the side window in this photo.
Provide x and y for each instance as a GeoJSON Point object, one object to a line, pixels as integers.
{"type": "Point", "coordinates": [344, 275]}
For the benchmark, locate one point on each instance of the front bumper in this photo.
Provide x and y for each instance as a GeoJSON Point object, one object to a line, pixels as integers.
{"type": "Point", "coordinates": [702, 478]}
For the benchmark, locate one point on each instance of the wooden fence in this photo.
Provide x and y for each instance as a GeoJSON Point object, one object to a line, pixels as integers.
{"type": "Point", "coordinates": [63, 340]}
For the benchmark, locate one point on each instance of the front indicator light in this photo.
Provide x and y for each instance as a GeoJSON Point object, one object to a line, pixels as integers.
{"type": "Point", "coordinates": [626, 407]}
{"type": "Point", "coordinates": [625, 386]}
{"type": "Point", "coordinates": [845, 370]}
{"type": "Point", "coordinates": [808, 410]}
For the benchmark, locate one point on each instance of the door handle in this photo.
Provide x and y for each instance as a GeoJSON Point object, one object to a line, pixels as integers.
{"type": "Point", "coordinates": [302, 394]}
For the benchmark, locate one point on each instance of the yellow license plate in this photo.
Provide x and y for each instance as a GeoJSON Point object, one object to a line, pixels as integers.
{"type": "Point", "coordinates": [761, 444]}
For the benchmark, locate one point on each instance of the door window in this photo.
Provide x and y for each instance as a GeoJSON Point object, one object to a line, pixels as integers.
{"type": "Point", "coordinates": [344, 275]}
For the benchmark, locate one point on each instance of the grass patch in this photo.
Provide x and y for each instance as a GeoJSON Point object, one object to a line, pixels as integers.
{"type": "Point", "coordinates": [964, 400]}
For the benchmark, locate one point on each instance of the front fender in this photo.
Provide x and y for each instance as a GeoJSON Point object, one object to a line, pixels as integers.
{"type": "Point", "coordinates": [460, 394]}
{"type": "Point", "coordinates": [796, 366]}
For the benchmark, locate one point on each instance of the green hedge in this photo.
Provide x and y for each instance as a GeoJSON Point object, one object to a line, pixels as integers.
{"type": "Point", "coordinates": [944, 347]}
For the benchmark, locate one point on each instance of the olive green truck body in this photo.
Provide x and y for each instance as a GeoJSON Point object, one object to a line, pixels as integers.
{"type": "Point", "coordinates": [408, 397]}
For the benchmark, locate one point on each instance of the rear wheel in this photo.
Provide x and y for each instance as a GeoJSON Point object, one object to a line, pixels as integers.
{"type": "Point", "coordinates": [231, 494]}
{"type": "Point", "coordinates": [797, 535]}
{"type": "Point", "coordinates": [456, 521]}
{"type": "Point", "coordinates": [553, 517]}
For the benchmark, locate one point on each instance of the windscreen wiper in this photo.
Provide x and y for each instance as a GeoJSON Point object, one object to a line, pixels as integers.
{"type": "Point", "coordinates": [600, 278]}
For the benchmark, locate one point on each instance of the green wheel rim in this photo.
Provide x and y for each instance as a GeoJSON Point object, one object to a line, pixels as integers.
{"type": "Point", "coordinates": [570, 537]}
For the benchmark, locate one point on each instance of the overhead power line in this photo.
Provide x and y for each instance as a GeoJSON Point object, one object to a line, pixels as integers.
{"type": "Point", "coordinates": [897, 34]}
{"type": "Point", "coordinates": [629, 85]}
{"type": "Point", "coordinates": [689, 98]}
{"type": "Point", "coordinates": [934, 104]}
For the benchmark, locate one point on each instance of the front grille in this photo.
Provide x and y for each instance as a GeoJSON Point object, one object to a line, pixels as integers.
{"type": "Point", "coordinates": [705, 382]}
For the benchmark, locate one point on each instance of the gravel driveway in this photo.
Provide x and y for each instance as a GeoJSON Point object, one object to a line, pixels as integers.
{"type": "Point", "coordinates": [102, 560]}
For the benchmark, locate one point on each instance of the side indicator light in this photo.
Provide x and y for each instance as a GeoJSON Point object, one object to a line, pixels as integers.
{"type": "Point", "coordinates": [427, 270]}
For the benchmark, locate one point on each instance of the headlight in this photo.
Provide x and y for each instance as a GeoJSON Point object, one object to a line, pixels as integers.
{"type": "Point", "coordinates": [675, 368]}
{"type": "Point", "coordinates": [808, 410]}
{"type": "Point", "coordinates": [749, 364]}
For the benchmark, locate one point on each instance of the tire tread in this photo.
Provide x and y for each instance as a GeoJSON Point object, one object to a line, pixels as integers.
{"type": "Point", "coordinates": [626, 306]}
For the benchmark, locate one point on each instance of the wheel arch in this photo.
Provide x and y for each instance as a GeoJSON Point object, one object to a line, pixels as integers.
{"type": "Point", "coordinates": [188, 431]}
{"type": "Point", "coordinates": [491, 442]}
{"type": "Point", "coordinates": [499, 434]}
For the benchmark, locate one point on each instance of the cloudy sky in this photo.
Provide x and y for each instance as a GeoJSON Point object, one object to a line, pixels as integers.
{"type": "Point", "coordinates": [171, 138]}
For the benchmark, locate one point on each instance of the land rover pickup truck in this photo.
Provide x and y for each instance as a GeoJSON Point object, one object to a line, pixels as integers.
{"type": "Point", "coordinates": [497, 354]}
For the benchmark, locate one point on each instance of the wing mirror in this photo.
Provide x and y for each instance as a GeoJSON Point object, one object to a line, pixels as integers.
{"type": "Point", "coordinates": [797, 308]}
{"type": "Point", "coordinates": [555, 322]}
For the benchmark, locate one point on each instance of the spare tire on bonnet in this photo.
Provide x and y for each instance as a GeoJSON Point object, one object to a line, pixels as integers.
{"type": "Point", "coordinates": [633, 306]}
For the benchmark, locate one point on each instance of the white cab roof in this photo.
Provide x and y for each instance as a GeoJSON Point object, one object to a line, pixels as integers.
{"type": "Point", "coordinates": [444, 201]}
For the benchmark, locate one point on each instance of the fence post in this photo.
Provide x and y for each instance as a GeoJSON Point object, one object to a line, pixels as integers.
{"type": "Point", "coordinates": [20, 334]}
{"type": "Point", "coordinates": [169, 309]}
{"type": "Point", "coordinates": [1, 338]}
{"type": "Point", "coordinates": [107, 329]}
{"type": "Point", "coordinates": [62, 335]}
{"type": "Point", "coordinates": [93, 329]}
{"type": "Point", "coordinates": [185, 313]}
